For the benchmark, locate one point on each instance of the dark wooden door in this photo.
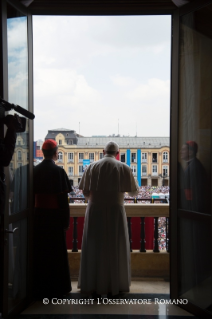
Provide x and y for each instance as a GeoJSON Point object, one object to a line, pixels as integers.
{"type": "Point", "coordinates": [16, 221]}
{"type": "Point", "coordinates": [191, 145]}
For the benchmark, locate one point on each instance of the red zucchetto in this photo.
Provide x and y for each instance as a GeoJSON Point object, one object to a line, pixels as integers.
{"type": "Point", "coordinates": [192, 145]}
{"type": "Point", "coordinates": [49, 144]}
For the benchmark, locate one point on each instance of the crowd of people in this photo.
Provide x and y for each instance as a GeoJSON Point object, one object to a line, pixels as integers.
{"type": "Point", "coordinates": [145, 192]}
{"type": "Point", "coordinates": [162, 233]}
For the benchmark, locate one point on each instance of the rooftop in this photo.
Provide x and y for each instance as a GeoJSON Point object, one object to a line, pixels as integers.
{"type": "Point", "coordinates": [144, 142]}
{"type": "Point", "coordinates": [62, 130]}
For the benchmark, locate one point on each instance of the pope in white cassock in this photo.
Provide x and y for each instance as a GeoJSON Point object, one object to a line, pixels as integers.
{"type": "Point", "coordinates": [105, 258]}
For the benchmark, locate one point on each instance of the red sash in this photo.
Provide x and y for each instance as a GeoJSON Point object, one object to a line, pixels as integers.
{"type": "Point", "coordinates": [49, 201]}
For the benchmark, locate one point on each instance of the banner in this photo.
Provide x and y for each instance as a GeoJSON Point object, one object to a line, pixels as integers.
{"type": "Point", "coordinates": [86, 163]}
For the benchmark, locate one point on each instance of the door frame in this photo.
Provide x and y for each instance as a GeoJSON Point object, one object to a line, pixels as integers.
{"type": "Point", "coordinates": [28, 212]}
{"type": "Point", "coordinates": [174, 121]}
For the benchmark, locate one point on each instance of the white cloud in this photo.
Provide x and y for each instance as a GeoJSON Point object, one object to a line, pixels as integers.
{"type": "Point", "coordinates": [57, 85]}
{"type": "Point", "coordinates": [61, 98]}
{"type": "Point", "coordinates": [125, 81]}
{"type": "Point", "coordinates": [17, 35]}
{"type": "Point", "coordinates": [152, 90]}
{"type": "Point", "coordinates": [96, 70]}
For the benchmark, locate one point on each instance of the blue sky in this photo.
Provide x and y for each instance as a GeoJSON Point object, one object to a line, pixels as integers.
{"type": "Point", "coordinates": [101, 70]}
{"type": "Point", "coordinates": [17, 61]}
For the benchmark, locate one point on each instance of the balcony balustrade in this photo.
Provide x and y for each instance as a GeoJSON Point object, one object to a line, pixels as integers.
{"type": "Point", "coordinates": [154, 174]}
{"type": "Point", "coordinates": [132, 210]}
{"type": "Point", "coordinates": [140, 260]}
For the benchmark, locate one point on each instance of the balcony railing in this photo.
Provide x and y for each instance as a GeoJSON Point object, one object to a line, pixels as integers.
{"type": "Point", "coordinates": [132, 210]}
{"type": "Point", "coordinates": [154, 173]}
{"type": "Point", "coordinates": [165, 160]}
{"type": "Point", "coordinates": [144, 160]}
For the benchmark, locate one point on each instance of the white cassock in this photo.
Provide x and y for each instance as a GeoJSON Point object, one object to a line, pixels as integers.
{"type": "Point", "coordinates": [105, 259]}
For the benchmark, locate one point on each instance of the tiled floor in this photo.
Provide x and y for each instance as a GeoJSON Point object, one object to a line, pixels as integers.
{"type": "Point", "coordinates": [146, 300]}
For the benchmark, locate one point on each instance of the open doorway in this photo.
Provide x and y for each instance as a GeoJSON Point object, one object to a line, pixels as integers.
{"type": "Point", "coordinates": [100, 78]}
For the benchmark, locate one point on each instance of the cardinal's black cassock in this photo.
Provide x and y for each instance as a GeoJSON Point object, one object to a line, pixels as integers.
{"type": "Point", "coordinates": [51, 269]}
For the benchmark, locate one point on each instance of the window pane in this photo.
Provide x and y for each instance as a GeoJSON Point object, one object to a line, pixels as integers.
{"type": "Point", "coordinates": [18, 94]}
{"type": "Point", "coordinates": [91, 156]}
{"type": "Point", "coordinates": [144, 169]}
{"type": "Point", "coordinates": [133, 157]}
{"type": "Point", "coordinates": [17, 61]}
{"type": "Point", "coordinates": [123, 157]}
{"type": "Point", "coordinates": [60, 156]}
{"type": "Point", "coordinates": [194, 170]}
{"type": "Point", "coordinates": [70, 156]}
{"type": "Point", "coordinates": [19, 175]}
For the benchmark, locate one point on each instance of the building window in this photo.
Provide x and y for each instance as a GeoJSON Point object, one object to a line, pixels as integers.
{"type": "Point", "coordinates": [60, 157]}
{"type": "Point", "coordinates": [133, 168]}
{"type": "Point", "coordinates": [60, 142]}
{"type": "Point", "coordinates": [133, 158]}
{"type": "Point", "coordinates": [144, 170]}
{"type": "Point", "coordinates": [81, 157]}
{"type": "Point", "coordinates": [154, 170]}
{"type": "Point", "coordinates": [144, 157]}
{"type": "Point", "coordinates": [80, 169]}
{"type": "Point", "coordinates": [70, 157]}
{"type": "Point", "coordinates": [91, 157]}
{"type": "Point", "coordinates": [19, 156]}
{"type": "Point", "coordinates": [19, 142]}
{"type": "Point", "coordinates": [165, 170]}
{"type": "Point", "coordinates": [101, 155]}
{"type": "Point", "coordinates": [123, 157]}
{"type": "Point", "coordinates": [19, 165]}
{"type": "Point", "coordinates": [165, 157]}
{"type": "Point", "coordinates": [69, 142]}
{"type": "Point", "coordinates": [154, 157]}
{"type": "Point", "coordinates": [70, 171]}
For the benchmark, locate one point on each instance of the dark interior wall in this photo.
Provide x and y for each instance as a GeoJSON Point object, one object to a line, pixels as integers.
{"type": "Point", "coordinates": [101, 7]}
